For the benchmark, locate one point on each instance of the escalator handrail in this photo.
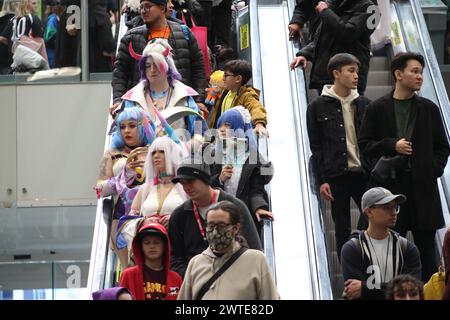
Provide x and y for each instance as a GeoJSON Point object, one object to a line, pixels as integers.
{"type": "Point", "coordinates": [436, 76]}
{"type": "Point", "coordinates": [266, 224]}
{"type": "Point", "coordinates": [313, 217]}
{"type": "Point", "coordinates": [100, 241]}
{"type": "Point", "coordinates": [320, 282]}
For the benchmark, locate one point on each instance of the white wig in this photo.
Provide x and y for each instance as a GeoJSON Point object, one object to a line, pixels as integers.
{"type": "Point", "coordinates": [173, 154]}
{"type": "Point", "coordinates": [159, 52]}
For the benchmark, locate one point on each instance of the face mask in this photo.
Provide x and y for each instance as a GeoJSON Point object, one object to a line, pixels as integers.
{"type": "Point", "coordinates": [219, 238]}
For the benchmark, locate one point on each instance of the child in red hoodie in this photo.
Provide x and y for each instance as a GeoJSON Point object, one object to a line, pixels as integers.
{"type": "Point", "coordinates": [151, 278]}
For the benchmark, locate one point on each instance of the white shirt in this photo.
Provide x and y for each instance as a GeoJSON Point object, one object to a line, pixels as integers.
{"type": "Point", "coordinates": [381, 252]}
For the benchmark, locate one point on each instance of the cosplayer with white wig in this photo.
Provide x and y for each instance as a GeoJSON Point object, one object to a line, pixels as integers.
{"type": "Point", "coordinates": [160, 91]}
{"type": "Point", "coordinates": [157, 197]}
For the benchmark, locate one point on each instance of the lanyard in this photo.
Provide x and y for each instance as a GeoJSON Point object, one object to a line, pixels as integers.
{"type": "Point", "coordinates": [197, 215]}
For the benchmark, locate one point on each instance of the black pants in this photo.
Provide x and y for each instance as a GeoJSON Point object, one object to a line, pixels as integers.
{"type": "Point", "coordinates": [351, 185]}
{"type": "Point", "coordinates": [424, 240]}
{"type": "Point", "coordinates": [407, 220]}
{"type": "Point", "coordinates": [221, 26]}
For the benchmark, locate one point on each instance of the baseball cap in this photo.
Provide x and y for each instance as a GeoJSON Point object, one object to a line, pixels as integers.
{"type": "Point", "coordinates": [193, 168]}
{"type": "Point", "coordinates": [380, 195]}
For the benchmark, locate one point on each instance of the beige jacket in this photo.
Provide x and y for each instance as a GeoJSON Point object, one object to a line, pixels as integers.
{"type": "Point", "coordinates": [248, 278]}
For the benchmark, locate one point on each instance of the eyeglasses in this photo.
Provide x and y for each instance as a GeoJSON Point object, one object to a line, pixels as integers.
{"type": "Point", "coordinates": [147, 6]}
{"type": "Point", "coordinates": [211, 226]}
{"type": "Point", "coordinates": [388, 207]}
{"type": "Point", "coordinates": [228, 75]}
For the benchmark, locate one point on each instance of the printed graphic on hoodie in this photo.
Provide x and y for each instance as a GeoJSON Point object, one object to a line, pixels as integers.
{"type": "Point", "coordinates": [154, 284]}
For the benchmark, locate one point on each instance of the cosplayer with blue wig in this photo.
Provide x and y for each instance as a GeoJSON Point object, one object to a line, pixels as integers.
{"type": "Point", "coordinates": [146, 128]}
{"type": "Point", "coordinates": [160, 91]}
{"type": "Point", "coordinates": [121, 172]}
{"type": "Point", "coordinates": [239, 169]}
{"type": "Point", "coordinates": [235, 136]}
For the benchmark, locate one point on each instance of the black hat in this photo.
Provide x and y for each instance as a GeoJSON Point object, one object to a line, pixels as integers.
{"type": "Point", "coordinates": [160, 2]}
{"type": "Point", "coordinates": [193, 168]}
{"type": "Point", "coordinates": [150, 232]}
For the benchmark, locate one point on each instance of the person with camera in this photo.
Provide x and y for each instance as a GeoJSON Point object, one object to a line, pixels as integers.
{"type": "Point", "coordinates": [405, 124]}
{"type": "Point", "coordinates": [241, 170]}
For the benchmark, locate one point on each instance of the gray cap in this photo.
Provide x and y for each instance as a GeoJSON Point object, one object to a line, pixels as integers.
{"type": "Point", "coordinates": [380, 195]}
{"type": "Point", "coordinates": [193, 168]}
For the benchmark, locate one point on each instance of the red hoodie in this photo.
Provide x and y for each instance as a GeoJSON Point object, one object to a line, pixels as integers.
{"type": "Point", "coordinates": [133, 279]}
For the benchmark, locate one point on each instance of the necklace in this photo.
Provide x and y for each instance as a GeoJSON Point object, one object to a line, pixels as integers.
{"type": "Point", "coordinates": [158, 95]}
{"type": "Point", "coordinates": [168, 93]}
{"type": "Point", "coordinates": [383, 279]}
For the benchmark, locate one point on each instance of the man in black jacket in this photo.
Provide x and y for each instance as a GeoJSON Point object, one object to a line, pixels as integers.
{"type": "Point", "coordinates": [346, 26]}
{"type": "Point", "coordinates": [402, 123]}
{"type": "Point", "coordinates": [374, 257]}
{"type": "Point", "coordinates": [186, 53]}
{"type": "Point", "coordinates": [304, 12]}
{"type": "Point", "coordinates": [187, 222]}
{"type": "Point", "coordinates": [333, 121]}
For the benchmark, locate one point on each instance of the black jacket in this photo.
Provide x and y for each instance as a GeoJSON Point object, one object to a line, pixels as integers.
{"type": "Point", "coordinates": [304, 12]}
{"type": "Point", "coordinates": [343, 28]}
{"type": "Point", "coordinates": [186, 240]}
{"type": "Point", "coordinates": [378, 136]}
{"type": "Point", "coordinates": [186, 54]}
{"type": "Point", "coordinates": [327, 138]}
{"type": "Point", "coordinates": [356, 260]}
{"type": "Point", "coordinates": [250, 187]}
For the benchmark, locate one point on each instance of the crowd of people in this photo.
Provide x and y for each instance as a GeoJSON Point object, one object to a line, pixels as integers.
{"type": "Point", "coordinates": [363, 150]}
{"type": "Point", "coordinates": [183, 168]}
{"type": "Point", "coordinates": [185, 176]}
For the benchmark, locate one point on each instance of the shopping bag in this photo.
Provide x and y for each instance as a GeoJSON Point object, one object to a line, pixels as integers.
{"type": "Point", "coordinates": [201, 34]}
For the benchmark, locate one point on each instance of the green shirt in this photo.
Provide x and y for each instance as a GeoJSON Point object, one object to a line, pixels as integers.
{"type": "Point", "coordinates": [401, 109]}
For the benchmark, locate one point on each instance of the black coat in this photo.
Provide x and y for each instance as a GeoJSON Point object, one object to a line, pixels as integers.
{"type": "Point", "coordinates": [304, 12]}
{"type": "Point", "coordinates": [250, 187]}
{"type": "Point", "coordinates": [186, 54]}
{"type": "Point", "coordinates": [186, 240]}
{"type": "Point", "coordinates": [327, 137]}
{"type": "Point", "coordinates": [378, 136]}
{"type": "Point", "coordinates": [343, 28]}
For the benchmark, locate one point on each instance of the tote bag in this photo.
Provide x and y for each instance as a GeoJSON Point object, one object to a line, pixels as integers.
{"type": "Point", "coordinates": [201, 34]}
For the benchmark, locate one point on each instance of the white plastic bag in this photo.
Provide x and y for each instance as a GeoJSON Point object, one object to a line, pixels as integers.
{"type": "Point", "coordinates": [28, 58]}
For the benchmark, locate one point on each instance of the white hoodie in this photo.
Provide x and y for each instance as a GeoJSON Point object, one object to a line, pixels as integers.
{"type": "Point", "coordinates": [348, 113]}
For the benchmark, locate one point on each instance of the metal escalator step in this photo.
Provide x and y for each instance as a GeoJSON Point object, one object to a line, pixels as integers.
{"type": "Point", "coordinates": [379, 78]}
{"type": "Point", "coordinates": [338, 286]}
{"type": "Point", "coordinates": [379, 63]}
{"type": "Point", "coordinates": [375, 92]}
{"type": "Point", "coordinates": [336, 263]}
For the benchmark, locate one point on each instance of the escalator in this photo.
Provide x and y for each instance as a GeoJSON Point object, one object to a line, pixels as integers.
{"type": "Point", "coordinates": [103, 269]}
{"type": "Point", "coordinates": [298, 239]}
{"type": "Point", "coordinates": [301, 240]}
{"type": "Point", "coordinates": [409, 32]}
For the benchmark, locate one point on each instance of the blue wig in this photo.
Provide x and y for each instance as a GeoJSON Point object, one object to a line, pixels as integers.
{"type": "Point", "coordinates": [240, 122]}
{"type": "Point", "coordinates": [146, 128]}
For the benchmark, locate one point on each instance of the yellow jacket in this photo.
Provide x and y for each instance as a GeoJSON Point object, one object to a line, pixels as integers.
{"type": "Point", "coordinates": [248, 97]}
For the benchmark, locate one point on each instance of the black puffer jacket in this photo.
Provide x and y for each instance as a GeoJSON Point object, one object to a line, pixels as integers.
{"type": "Point", "coordinates": [345, 27]}
{"type": "Point", "coordinates": [186, 54]}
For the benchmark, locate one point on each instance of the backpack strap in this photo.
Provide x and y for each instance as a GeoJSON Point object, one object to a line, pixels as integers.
{"type": "Point", "coordinates": [219, 272]}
